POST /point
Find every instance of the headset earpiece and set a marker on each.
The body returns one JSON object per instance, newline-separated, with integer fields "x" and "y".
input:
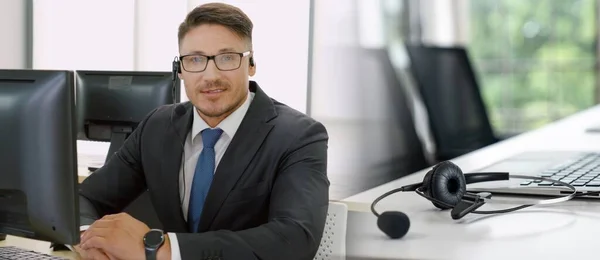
{"x": 176, "y": 67}
{"x": 251, "y": 61}
{"x": 445, "y": 182}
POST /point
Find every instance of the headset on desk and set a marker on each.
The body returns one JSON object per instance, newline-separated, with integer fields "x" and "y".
{"x": 445, "y": 186}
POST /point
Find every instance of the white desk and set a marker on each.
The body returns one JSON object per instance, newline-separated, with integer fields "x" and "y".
{"x": 86, "y": 158}
{"x": 560, "y": 231}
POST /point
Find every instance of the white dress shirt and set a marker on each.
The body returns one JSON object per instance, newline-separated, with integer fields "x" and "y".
{"x": 193, "y": 148}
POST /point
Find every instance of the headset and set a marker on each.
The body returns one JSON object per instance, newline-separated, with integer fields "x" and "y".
{"x": 445, "y": 186}
{"x": 175, "y": 70}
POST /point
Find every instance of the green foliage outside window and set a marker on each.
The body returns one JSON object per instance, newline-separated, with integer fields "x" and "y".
{"x": 535, "y": 59}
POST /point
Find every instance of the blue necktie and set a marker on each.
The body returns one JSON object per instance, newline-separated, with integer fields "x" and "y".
{"x": 203, "y": 176}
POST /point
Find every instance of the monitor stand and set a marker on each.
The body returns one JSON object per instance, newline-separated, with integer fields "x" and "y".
{"x": 117, "y": 139}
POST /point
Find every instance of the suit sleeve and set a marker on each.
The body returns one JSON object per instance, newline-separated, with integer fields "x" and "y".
{"x": 116, "y": 184}
{"x": 297, "y": 215}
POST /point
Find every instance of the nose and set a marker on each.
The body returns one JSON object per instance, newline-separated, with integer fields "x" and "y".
{"x": 211, "y": 71}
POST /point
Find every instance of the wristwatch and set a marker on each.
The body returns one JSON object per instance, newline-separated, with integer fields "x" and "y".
{"x": 153, "y": 240}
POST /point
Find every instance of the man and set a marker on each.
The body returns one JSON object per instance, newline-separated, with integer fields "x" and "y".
{"x": 232, "y": 172}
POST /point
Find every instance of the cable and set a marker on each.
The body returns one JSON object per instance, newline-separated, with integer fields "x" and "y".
{"x": 382, "y": 197}
{"x": 179, "y": 140}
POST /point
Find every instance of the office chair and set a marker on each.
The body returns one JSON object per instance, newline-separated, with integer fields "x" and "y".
{"x": 449, "y": 89}
{"x": 407, "y": 153}
{"x": 333, "y": 242}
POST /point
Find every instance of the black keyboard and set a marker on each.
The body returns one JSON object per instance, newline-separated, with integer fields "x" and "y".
{"x": 15, "y": 253}
{"x": 580, "y": 172}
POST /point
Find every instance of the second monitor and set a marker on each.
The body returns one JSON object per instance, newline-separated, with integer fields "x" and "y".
{"x": 110, "y": 104}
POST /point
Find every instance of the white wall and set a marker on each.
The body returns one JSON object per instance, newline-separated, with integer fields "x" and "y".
{"x": 335, "y": 28}
{"x": 155, "y": 39}
{"x": 83, "y": 35}
{"x": 340, "y": 27}
{"x": 156, "y": 23}
{"x": 13, "y": 45}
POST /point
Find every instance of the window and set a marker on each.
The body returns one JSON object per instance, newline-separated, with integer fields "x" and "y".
{"x": 535, "y": 60}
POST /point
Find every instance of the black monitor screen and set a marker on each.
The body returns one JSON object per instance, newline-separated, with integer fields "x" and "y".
{"x": 38, "y": 166}
{"x": 111, "y": 104}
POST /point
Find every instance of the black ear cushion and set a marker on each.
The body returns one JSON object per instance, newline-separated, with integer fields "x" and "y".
{"x": 446, "y": 183}
{"x": 427, "y": 186}
{"x": 427, "y": 181}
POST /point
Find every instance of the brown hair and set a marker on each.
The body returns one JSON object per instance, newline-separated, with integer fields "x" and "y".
{"x": 218, "y": 13}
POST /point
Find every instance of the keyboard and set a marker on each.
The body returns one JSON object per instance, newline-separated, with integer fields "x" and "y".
{"x": 580, "y": 172}
{"x": 15, "y": 253}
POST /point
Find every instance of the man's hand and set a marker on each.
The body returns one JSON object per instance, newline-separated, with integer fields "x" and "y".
{"x": 92, "y": 254}
{"x": 119, "y": 236}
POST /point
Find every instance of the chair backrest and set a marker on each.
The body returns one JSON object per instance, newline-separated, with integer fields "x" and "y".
{"x": 406, "y": 149}
{"x": 333, "y": 242}
{"x": 449, "y": 89}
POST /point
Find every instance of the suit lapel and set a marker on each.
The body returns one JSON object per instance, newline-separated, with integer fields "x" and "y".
{"x": 250, "y": 135}
{"x": 173, "y": 151}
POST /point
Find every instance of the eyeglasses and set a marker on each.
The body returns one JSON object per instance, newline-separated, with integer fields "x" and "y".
{"x": 224, "y": 61}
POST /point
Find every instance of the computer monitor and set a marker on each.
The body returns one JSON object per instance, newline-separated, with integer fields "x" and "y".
{"x": 38, "y": 156}
{"x": 110, "y": 104}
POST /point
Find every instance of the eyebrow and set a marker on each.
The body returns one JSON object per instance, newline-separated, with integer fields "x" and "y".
{"x": 220, "y": 51}
{"x": 226, "y": 50}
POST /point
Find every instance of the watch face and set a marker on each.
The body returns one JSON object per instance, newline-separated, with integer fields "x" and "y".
{"x": 154, "y": 238}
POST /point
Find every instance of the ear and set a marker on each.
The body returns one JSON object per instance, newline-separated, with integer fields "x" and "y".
{"x": 252, "y": 70}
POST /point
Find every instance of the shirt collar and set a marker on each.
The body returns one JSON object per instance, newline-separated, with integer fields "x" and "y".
{"x": 229, "y": 125}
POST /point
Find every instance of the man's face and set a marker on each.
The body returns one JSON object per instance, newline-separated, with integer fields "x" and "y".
{"x": 215, "y": 93}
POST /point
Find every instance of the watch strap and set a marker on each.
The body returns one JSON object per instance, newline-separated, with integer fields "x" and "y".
{"x": 151, "y": 250}
{"x": 151, "y": 253}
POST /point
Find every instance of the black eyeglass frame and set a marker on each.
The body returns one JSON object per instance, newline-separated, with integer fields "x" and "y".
{"x": 212, "y": 57}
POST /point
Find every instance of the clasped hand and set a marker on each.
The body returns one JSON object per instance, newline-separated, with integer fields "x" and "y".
{"x": 117, "y": 236}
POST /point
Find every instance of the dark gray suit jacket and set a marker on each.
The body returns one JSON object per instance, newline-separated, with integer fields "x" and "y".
{"x": 269, "y": 196}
